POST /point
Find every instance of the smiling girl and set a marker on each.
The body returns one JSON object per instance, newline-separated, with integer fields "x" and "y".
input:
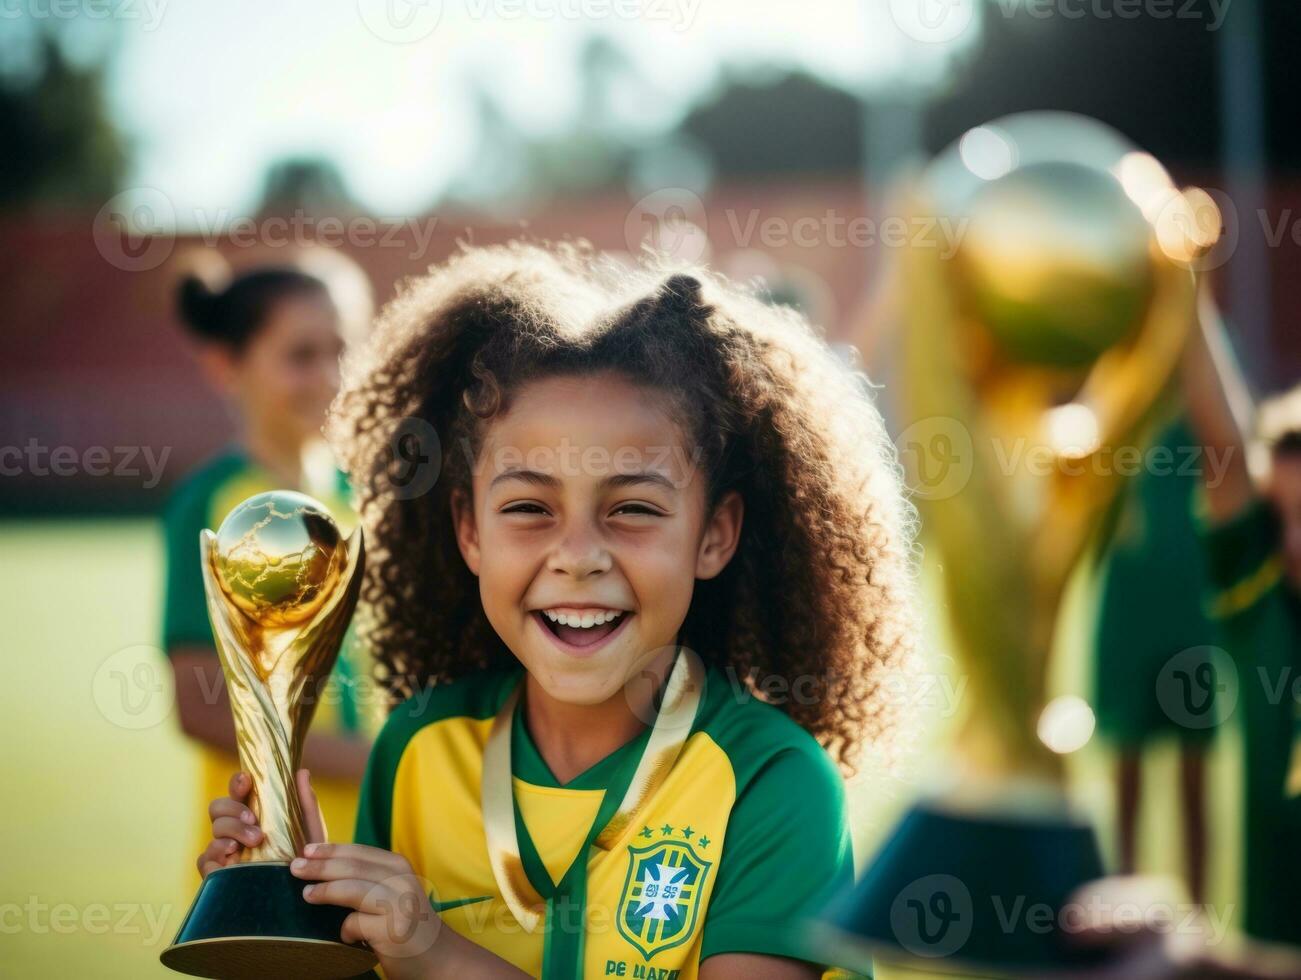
{"x": 658, "y": 505}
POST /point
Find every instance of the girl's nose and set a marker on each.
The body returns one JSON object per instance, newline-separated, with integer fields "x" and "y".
{"x": 580, "y": 554}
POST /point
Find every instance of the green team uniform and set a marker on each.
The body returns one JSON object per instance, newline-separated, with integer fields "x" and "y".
{"x": 1151, "y": 604}
{"x": 202, "y": 500}
{"x": 1260, "y": 617}
{"x": 745, "y": 834}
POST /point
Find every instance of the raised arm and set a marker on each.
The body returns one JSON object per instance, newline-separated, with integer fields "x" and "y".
{"x": 1219, "y": 410}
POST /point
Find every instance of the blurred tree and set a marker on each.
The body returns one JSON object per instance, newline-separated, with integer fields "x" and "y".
{"x": 594, "y": 150}
{"x": 305, "y": 185}
{"x": 778, "y": 124}
{"x": 57, "y": 143}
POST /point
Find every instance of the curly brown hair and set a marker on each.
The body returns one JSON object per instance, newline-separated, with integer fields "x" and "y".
{"x": 820, "y": 586}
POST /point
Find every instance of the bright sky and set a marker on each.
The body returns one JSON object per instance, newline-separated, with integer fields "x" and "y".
{"x": 212, "y": 92}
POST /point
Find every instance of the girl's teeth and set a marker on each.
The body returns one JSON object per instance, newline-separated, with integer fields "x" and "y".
{"x": 586, "y": 621}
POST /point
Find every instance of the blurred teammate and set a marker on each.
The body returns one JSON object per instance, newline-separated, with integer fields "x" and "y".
{"x": 269, "y": 343}
{"x": 1150, "y": 612}
{"x": 1253, "y": 546}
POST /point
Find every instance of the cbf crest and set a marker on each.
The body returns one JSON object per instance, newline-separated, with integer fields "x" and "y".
{"x": 661, "y": 895}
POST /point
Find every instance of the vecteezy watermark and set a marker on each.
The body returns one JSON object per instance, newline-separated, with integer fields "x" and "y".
{"x": 1124, "y": 460}
{"x": 935, "y": 691}
{"x": 832, "y": 230}
{"x": 938, "y": 454}
{"x": 136, "y": 230}
{"x": 149, "y": 12}
{"x": 300, "y": 229}
{"x": 934, "y": 916}
{"x": 132, "y": 687}
{"x": 1197, "y": 688}
{"x": 39, "y": 917}
{"x": 673, "y": 220}
{"x": 945, "y": 21}
{"x": 408, "y": 21}
{"x": 933, "y": 21}
{"x": 400, "y": 21}
{"x": 672, "y": 464}
{"x": 37, "y": 459}
{"x": 1210, "y": 12}
{"x": 415, "y": 460}
{"x": 133, "y": 230}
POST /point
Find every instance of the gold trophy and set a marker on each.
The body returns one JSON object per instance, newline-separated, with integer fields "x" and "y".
{"x": 1047, "y": 339}
{"x": 281, "y": 585}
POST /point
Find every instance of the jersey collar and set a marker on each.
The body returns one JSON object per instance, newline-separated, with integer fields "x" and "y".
{"x": 659, "y": 748}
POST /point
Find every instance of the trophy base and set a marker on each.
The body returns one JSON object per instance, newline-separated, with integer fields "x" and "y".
{"x": 250, "y": 920}
{"x": 955, "y": 891}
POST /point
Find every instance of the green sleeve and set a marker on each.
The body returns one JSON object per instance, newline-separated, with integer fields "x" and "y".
{"x": 374, "y": 825}
{"x": 1244, "y": 561}
{"x": 185, "y": 611}
{"x": 787, "y": 851}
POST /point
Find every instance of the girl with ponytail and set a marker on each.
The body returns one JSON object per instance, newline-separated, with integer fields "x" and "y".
{"x": 639, "y": 605}
{"x": 269, "y": 342}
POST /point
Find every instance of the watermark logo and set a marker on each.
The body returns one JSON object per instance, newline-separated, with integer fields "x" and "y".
{"x": 133, "y": 230}
{"x": 1197, "y": 688}
{"x": 671, "y": 220}
{"x": 932, "y": 917}
{"x": 417, "y": 458}
{"x": 933, "y": 21}
{"x": 400, "y": 21}
{"x": 132, "y": 688}
{"x": 937, "y": 455}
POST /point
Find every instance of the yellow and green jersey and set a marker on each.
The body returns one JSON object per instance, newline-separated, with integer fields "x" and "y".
{"x": 1260, "y": 617}
{"x": 202, "y": 500}
{"x": 743, "y": 838}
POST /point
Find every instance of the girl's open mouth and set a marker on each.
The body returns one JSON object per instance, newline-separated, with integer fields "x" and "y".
{"x": 578, "y": 639}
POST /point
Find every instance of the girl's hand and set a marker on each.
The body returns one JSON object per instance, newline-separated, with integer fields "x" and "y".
{"x": 393, "y": 911}
{"x": 234, "y": 825}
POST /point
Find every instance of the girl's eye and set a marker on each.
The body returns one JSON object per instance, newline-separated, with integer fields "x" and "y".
{"x": 524, "y": 508}
{"x": 638, "y": 509}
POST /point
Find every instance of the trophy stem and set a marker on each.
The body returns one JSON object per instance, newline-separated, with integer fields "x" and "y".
{"x": 271, "y": 760}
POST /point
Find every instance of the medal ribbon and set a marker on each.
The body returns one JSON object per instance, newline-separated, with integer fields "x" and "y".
{"x": 522, "y": 878}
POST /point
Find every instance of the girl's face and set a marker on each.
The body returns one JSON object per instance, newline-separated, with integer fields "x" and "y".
{"x": 588, "y": 530}
{"x": 287, "y": 374}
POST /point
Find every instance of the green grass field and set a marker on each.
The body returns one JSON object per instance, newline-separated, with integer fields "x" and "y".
{"x": 97, "y": 872}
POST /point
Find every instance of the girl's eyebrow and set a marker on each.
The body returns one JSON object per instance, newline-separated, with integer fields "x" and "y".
{"x": 615, "y": 480}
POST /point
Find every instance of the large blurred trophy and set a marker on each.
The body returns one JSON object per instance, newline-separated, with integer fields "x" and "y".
{"x": 1046, "y": 340}
{"x": 281, "y": 585}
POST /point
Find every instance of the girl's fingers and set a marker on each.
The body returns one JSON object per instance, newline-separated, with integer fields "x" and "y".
{"x": 240, "y": 786}
{"x": 312, "y": 816}
{"x": 216, "y": 855}
{"x": 354, "y": 930}
{"x": 236, "y": 829}
{"x": 369, "y": 862}
{"x": 224, "y": 806}
{"x": 353, "y": 893}
{"x": 339, "y": 868}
